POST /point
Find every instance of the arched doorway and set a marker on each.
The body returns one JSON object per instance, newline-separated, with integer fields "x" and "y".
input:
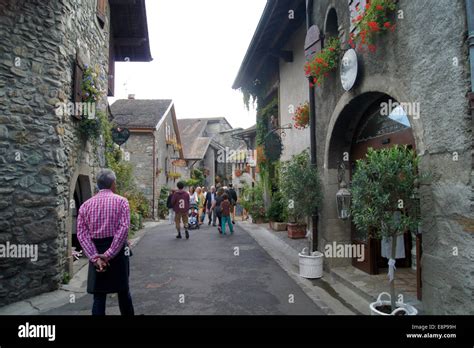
{"x": 82, "y": 192}
{"x": 383, "y": 124}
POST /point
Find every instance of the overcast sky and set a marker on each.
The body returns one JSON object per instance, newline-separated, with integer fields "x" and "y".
{"x": 197, "y": 48}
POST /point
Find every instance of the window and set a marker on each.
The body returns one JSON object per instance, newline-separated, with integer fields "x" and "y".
{"x": 332, "y": 26}
{"x": 101, "y": 12}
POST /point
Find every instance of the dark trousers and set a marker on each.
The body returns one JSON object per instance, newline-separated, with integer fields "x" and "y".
{"x": 124, "y": 299}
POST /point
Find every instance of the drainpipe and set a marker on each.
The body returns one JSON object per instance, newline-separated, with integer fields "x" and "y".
{"x": 312, "y": 118}
{"x": 470, "y": 40}
{"x": 154, "y": 175}
{"x": 470, "y": 28}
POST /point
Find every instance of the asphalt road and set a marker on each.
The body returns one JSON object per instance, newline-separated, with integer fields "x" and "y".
{"x": 209, "y": 274}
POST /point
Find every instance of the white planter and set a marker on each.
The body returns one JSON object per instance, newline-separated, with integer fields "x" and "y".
{"x": 401, "y": 307}
{"x": 311, "y": 266}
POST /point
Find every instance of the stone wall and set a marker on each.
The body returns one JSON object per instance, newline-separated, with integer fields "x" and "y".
{"x": 293, "y": 91}
{"x": 140, "y": 149}
{"x": 42, "y": 154}
{"x": 424, "y": 60}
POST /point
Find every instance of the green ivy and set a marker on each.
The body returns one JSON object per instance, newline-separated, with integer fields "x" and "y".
{"x": 126, "y": 187}
{"x": 197, "y": 179}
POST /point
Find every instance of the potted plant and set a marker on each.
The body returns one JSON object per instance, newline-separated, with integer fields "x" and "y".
{"x": 384, "y": 206}
{"x": 302, "y": 190}
{"x": 277, "y": 213}
{"x": 252, "y": 201}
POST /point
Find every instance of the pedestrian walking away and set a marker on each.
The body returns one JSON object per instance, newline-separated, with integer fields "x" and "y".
{"x": 233, "y": 201}
{"x": 180, "y": 203}
{"x": 216, "y": 206}
{"x": 170, "y": 207}
{"x": 208, "y": 203}
{"x": 102, "y": 230}
{"x": 225, "y": 211}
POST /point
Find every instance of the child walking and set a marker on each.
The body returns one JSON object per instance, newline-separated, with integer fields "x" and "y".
{"x": 225, "y": 208}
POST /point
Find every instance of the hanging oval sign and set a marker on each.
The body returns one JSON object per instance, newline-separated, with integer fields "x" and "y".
{"x": 349, "y": 69}
{"x": 120, "y": 135}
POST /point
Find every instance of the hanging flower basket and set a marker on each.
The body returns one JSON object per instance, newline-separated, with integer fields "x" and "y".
{"x": 89, "y": 86}
{"x": 174, "y": 175}
{"x": 324, "y": 62}
{"x": 372, "y": 20}
{"x": 301, "y": 117}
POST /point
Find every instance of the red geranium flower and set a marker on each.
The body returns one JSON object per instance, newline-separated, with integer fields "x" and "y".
{"x": 374, "y": 26}
{"x": 387, "y": 25}
{"x": 379, "y": 7}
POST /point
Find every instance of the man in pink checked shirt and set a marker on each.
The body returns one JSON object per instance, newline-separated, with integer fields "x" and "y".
{"x": 102, "y": 230}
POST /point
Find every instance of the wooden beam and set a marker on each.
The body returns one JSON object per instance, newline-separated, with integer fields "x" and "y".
{"x": 129, "y": 41}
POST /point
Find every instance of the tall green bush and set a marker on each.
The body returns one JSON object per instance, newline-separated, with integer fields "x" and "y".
{"x": 384, "y": 203}
{"x": 300, "y": 186}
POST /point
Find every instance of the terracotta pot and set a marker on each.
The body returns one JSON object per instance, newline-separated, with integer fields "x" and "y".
{"x": 296, "y": 231}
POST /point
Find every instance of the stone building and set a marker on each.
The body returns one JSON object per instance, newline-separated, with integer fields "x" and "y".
{"x": 205, "y": 142}
{"x": 424, "y": 64}
{"x": 47, "y": 167}
{"x": 154, "y": 144}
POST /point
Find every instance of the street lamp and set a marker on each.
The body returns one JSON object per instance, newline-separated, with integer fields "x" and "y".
{"x": 343, "y": 196}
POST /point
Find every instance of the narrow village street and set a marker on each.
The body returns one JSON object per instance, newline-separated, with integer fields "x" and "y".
{"x": 203, "y": 276}
{"x": 335, "y": 137}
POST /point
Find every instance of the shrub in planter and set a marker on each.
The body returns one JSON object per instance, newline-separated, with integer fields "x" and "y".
{"x": 384, "y": 204}
{"x": 252, "y": 201}
{"x": 163, "y": 210}
{"x": 301, "y": 190}
{"x": 277, "y": 212}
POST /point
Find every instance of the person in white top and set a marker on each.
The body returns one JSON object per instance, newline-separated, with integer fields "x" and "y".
{"x": 193, "y": 198}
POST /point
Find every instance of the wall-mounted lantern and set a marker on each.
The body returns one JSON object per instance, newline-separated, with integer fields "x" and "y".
{"x": 343, "y": 196}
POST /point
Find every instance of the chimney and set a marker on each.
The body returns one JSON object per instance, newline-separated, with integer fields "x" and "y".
{"x": 131, "y": 96}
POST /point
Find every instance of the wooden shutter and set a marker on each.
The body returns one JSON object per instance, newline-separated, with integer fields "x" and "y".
{"x": 111, "y": 83}
{"x": 77, "y": 90}
{"x": 353, "y": 6}
{"x": 101, "y": 11}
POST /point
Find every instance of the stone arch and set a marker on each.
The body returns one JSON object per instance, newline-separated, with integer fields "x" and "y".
{"x": 348, "y": 111}
{"x": 342, "y": 126}
{"x": 331, "y": 23}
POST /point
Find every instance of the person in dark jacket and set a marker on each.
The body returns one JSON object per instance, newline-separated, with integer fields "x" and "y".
{"x": 216, "y": 206}
{"x": 210, "y": 198}
{"x": 180, "y": 203}
{"x": 233, "y": 201}
{"x": 170, "y": 207}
